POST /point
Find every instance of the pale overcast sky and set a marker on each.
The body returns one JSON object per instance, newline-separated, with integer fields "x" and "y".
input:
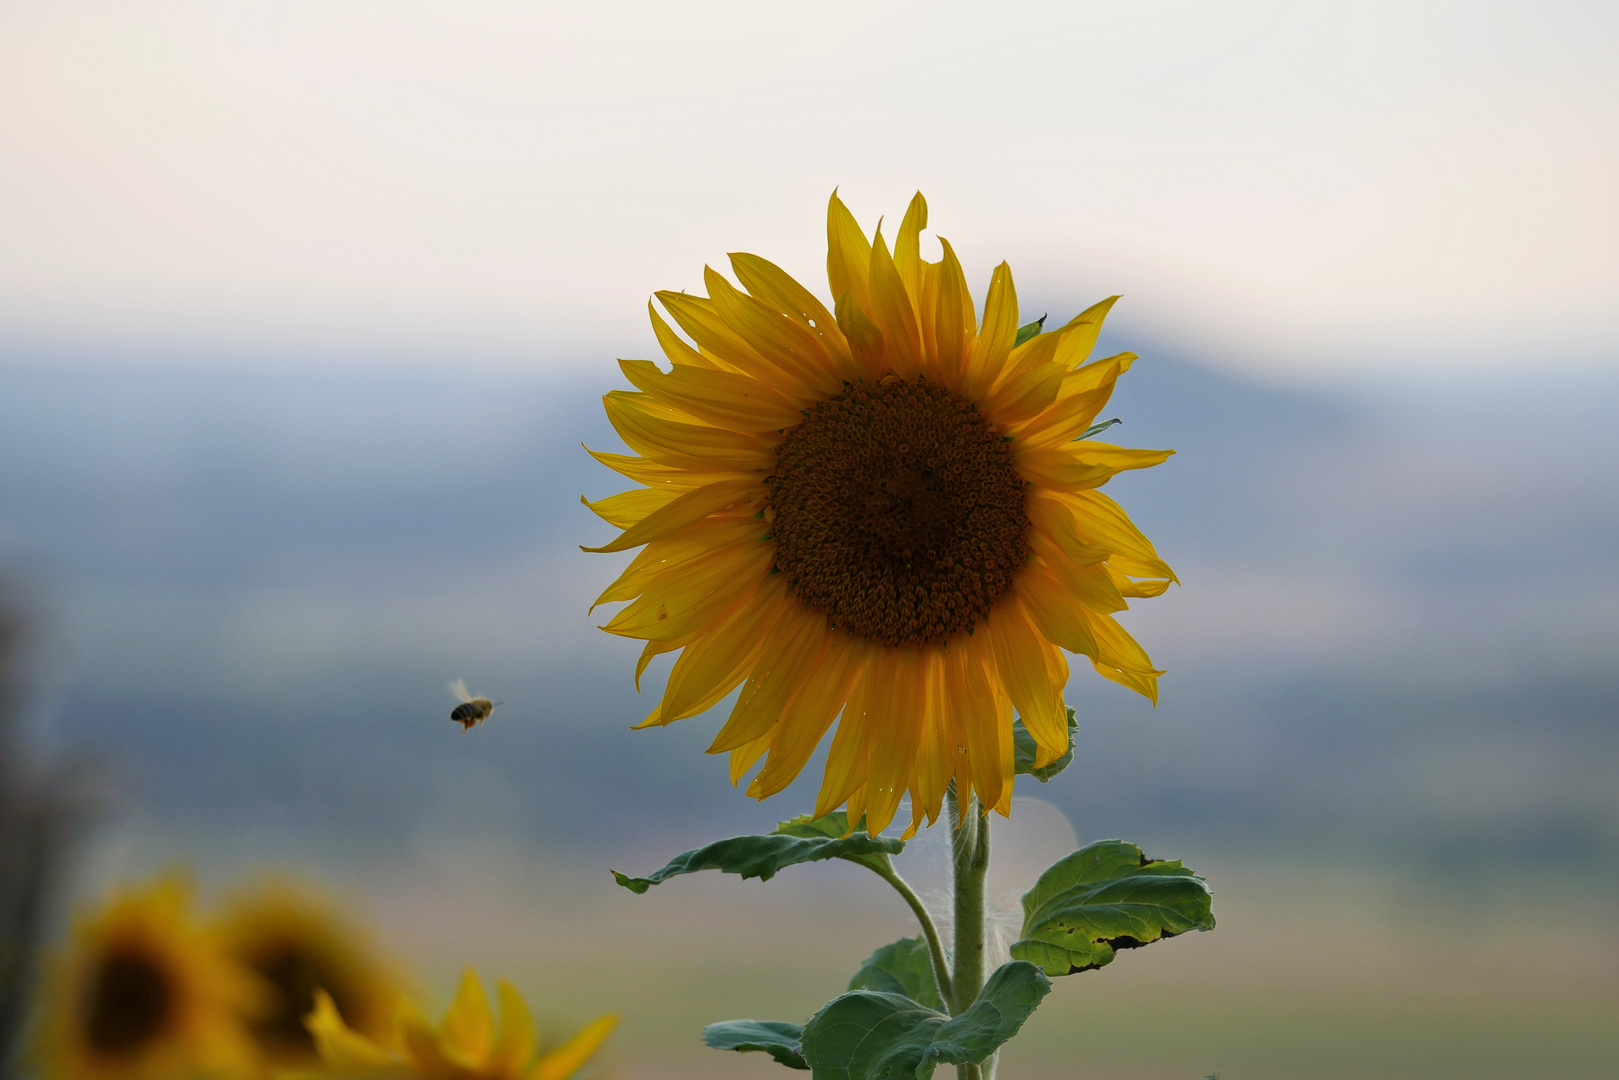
{"x": 1300, "y": 187}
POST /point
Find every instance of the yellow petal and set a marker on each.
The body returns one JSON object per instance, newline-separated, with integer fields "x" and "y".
{"x": 846, "y": 762}
{"x": 653, "y": 474}
{"x": 787, "y": 661}
{"x": 1022, "y": 668}
{"x": 1080, "y": 398}
{"x": 628, "y": 507}
{"x": 1102, "y": 521}
{"x": 848, "y": 254}
{"x": 567, "y": 1059}
{"x": 773, "y": 285}
{"x": 907, "y": 246}
{"x": 936, "y": 759}
{"x": 955, "y": 328}
{"x": 725, "y": 399}
{"x": 469, "y": 1026}
{"x": 865, "y": 340}
{"x": 1115, "y": 647}
{"x": 745, "y": 756}
{"x": 895, "y": 736}
{"x": 668, "y": 555}
{"x": 675, "y": 349}
{"x": 788, "y": 347}
{"x": 1091, "y": 586}
{"x": 1056, "y": 468}
{"x": 1028, "y": 392}
{"x": 1143, "y": 683}
{"x": 1079, "y": 336}
{"x": 809, "y": 715}
{"x": 688, "y": 508}
{"x": 517, "y": 1040}
{"x": 1057, "y": 618}
{"x": 996, "y": 336}
{"x": 654, "y": 430}
{"x": 894, "y": 313}
{"x": 1117, "y": 458}
{"x": 716, "y": 662}
{"x": 1144, "y": 588}
{"x": 675, "y": 605}
{"x": 704, "y": 322}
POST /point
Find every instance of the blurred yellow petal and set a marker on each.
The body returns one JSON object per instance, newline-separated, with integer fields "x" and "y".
{"x": 469, "y": 1026}
{"x": 571, "y": 1056}
{"x": 343, "y": 1050}
{"x": 517, "y": 1040}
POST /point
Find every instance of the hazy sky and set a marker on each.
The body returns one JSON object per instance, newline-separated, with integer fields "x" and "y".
{"x": 1302, "y": 187}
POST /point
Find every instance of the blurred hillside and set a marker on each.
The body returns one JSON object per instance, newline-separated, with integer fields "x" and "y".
{"x": 1395, "y": 636}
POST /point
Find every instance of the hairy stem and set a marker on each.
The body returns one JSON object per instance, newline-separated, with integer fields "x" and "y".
{"x": 969, "y": 849}
{"x": 941, "y": 969}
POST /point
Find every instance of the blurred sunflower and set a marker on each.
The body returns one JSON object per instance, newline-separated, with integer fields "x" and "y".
{"x": 143, "y": 995}
{"x": 466, "y": 1046}
{"x": 297, "y": 946}
{"x": 890, "y": 513}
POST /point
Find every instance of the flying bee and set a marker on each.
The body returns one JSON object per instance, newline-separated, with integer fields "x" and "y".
{"x": 473, "y": 710}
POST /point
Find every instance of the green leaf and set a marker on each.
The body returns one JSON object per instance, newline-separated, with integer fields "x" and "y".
{"x": 835, "y": 825}
{"x": 1097, "y": 429}
{"x": 1024, "y": 750}
{"x": 798, "y": 841}
{"x": 1105, "y": 897}
{"x": 905, "y": 967}
{"x": 864, "y": 1034}
{"x": 1029, "y": 330}
{"x": 777, "y": 1038}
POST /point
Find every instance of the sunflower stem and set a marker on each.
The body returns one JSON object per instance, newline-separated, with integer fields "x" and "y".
{"x": 969, "y": 844}
{"x": 941, "y": 968}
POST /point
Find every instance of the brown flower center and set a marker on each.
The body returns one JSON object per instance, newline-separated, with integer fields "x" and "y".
{"x": 897, "y": 512}
{"x": 128, "y": 1003}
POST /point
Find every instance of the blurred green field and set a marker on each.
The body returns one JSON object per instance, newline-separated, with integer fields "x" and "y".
{"x": 1315, "y": 971}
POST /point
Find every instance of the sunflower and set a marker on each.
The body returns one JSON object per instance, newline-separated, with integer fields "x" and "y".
{"x": 889, "y": 514}
{"x": 297, "y": 946}
{"x": 466, "y": 1046}
{"x": 142, "y": 995}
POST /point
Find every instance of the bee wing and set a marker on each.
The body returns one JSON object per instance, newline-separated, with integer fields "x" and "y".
{"x": 458, "y": 687}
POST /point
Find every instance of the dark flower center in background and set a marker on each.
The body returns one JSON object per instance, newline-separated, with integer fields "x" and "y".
{"x": 897, "y": 512}
{"x": 296, "y": 973}
{"x": 128, "y": 1003}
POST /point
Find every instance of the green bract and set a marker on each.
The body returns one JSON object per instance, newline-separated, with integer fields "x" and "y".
{"x": 1105, "y": 897}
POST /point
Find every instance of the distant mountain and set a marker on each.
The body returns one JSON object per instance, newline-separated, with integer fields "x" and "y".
{"x": 1395, "y": 629}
